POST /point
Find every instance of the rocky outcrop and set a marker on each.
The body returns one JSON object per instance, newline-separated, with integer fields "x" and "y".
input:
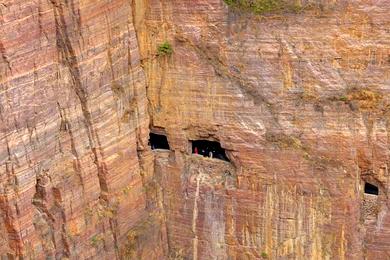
{"x": 298, "y": 99}
{"x": 300, "y": 102}
{"x": 74, "y": 122}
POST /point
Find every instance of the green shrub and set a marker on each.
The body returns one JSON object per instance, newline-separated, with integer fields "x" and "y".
{"x": 264, "y": 255}
{"x": 264, "y": 6}
{"x": 96, "y": 240}
{"x": 343, "y": 98}
{"x": 164, "y": 49}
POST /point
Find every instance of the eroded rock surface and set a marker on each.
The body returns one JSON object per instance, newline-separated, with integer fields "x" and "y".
{"x": 298, "y": 100}
{"x": 74, "y": 121}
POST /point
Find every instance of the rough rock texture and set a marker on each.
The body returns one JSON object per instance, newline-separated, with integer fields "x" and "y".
{"x": 73, "y": 124}
{"x": 299, "y": 101}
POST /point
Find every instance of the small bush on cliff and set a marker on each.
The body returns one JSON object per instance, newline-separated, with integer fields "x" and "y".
{"x": 96, "y": 240}
{"x": 164, "y": 49}
{"x": 264, "y": 6}
{"x": 343, "y": 98}
{"x": 364, "y": 99}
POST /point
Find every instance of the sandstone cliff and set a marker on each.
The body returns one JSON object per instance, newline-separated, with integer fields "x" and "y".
{"x": 299, "y": 100}
{"x": 74, "y": 121}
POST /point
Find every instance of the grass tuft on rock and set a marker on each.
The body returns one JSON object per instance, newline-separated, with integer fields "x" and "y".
{"x": 366, "y": 98}
{"x": 264, "y": 255}
{"x": 265, "y": 6}
{"x": 164, "y": 49}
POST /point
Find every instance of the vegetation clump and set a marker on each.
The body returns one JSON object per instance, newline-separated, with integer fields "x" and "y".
{"x": 366, "y": 99}
{"x": 284, "y": 141}
{"x": 265, "y": 6}
{"x": 264, "y": 255}
{"x": 96, "y": 240}
{"x": 164, "y": 49}
{"x": 343, "y": 98}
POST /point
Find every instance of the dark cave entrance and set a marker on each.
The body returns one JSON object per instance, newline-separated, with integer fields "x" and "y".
{"x": 371, "y": 189}
{"x": 158, "y": 141}
{"x": 210, "y": 149}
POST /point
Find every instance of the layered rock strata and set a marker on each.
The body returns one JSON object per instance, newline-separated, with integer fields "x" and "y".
{"x": 74, "y": 122}
{"x": 299, "y": 100}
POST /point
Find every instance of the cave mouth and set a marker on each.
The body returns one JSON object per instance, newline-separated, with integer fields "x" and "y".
{"x": 158, "y": 141}
{"x": 212, "y": 149}
{"x": 371, "y": 189}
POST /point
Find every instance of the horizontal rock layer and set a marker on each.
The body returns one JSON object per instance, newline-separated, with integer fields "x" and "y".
{"x": 73, "y": 122}
{"x": 299, "y": 100}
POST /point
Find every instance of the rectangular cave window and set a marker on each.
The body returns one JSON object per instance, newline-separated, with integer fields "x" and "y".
{"x": 210, "y": 149}
{"x": 158, "y": 141}
{"x": 371, "y": 189}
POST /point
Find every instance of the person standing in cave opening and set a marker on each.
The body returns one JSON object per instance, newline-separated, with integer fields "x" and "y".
{"x": 196, "y": 150}
{"x": 207, "y": 152}
{"x": 211, "y": 154}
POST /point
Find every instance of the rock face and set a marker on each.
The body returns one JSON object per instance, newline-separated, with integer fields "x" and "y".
{"x": 298, "y": 100}
{"x": 74, "y": 122}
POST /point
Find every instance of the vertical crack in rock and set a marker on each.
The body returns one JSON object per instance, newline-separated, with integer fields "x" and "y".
{"x": 66, "y": 126}
{"x": 13, "y": 238}
{"x": 12, "y": 233}
{"x": 42, "y": 30}
{"x": 4, "y": 58}
{"x": 69, "y": 59}
{"x": 6, "y": 211}
{"x": 7, "y": 191}
{"x": 44, "y": 220}
{"x": 134, "y": 105}
{"x": 58, "y": 202}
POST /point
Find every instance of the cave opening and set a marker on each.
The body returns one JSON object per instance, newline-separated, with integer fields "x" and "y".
{"x": 371, "y": 189}
{"x": 212, "y": 149}
{"x": 158, "y": 141}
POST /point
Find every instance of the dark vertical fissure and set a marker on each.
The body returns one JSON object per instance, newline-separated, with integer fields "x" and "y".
{"x": 68, "y": 58}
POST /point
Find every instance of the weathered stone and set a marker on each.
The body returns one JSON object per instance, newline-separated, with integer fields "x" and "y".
{"x": 299, "y": 100}
{"x": 73, "y": 116}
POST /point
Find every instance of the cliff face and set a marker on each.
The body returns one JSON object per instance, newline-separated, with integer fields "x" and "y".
{"x": 298, "y": 100}
{"x": 74, "y": 122}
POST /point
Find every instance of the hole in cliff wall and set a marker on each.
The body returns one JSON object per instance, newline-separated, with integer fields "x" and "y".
{"x": 158, "y": 141}
{"x": 371, "y": 189}
{"x": 212, "y": 149}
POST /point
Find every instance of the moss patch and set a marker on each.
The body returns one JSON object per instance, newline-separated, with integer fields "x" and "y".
{"x": 97, "y": 240}
{"x": 164, "y": 49}
{"x": 265, "y": 6}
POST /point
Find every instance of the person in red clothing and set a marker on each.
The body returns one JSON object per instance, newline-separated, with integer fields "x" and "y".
{"x": 196, "y": 150}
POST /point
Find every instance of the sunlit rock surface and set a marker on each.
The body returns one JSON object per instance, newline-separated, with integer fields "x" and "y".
{"x": 73, "y": 114}
{"x": 299, "y": 100}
